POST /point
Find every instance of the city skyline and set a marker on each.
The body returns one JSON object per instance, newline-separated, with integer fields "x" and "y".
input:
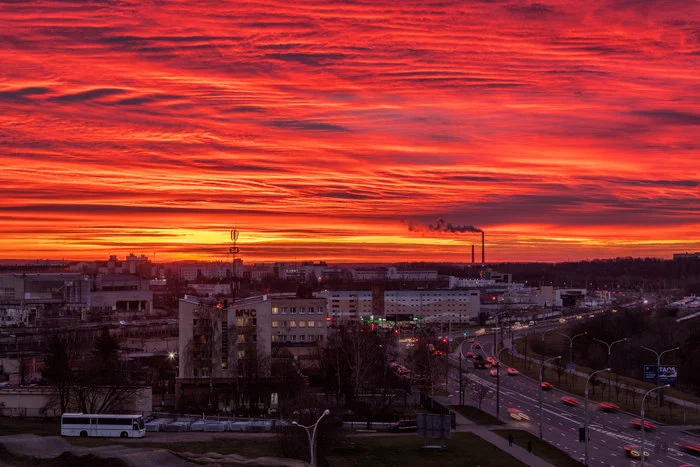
{"x": 347, "y": 132}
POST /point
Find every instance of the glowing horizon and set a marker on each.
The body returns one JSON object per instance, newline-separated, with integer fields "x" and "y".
{"x": 340, "y": 132}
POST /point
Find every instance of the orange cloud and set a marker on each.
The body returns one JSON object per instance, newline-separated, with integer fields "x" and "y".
{"x": 565, "y": 130}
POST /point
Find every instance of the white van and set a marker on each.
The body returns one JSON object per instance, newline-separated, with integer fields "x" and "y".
{"x": 532, "y": 323}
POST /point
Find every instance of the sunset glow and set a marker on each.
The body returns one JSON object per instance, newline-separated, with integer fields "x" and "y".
{"x": 341, "y": 131}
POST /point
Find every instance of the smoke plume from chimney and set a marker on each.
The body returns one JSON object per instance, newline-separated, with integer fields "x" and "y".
{"x": 441, "y": 226}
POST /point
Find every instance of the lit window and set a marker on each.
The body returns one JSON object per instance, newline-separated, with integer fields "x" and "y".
{"x": 312, "y": 324}
{"x": 292, "y": 324}
{"x": 241, "y": 338}
{"x": 275, "y": 324}
{"x": 302, "y": 324}
{"x": 275, "y": 310}
{"x": 241, "y": 354}
{"x": 275, "y": 338}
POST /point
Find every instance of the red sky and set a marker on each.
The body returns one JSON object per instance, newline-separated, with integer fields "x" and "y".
{"x": 324, "y": 130}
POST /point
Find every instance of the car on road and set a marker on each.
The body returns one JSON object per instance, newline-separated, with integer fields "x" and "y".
{"x": 512, "y": 372}
{"x": 531, "y": 324}
{"x": 404, "y": 426}
{"x": 609, "y": 407}
{"x": 633, "y": 451}
{"x": 547, "y": 386}
{"x": 562, "y": 320}
{"x": 493, "y": 372}
{"x": 477, "y": 345}
{"x": 480, "y": 363}
{"x": 570, "y": 401}
{"x": 693, "y": 449}
{"x": 481, "y": 332}
{"x": 517, "y": 414}
{"x": 469, "y": 355}
{"x": 637, "y": 423}
{"x": 471, "y": 340}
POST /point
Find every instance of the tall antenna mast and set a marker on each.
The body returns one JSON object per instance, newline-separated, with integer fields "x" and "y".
{"x": 233, "y": 250}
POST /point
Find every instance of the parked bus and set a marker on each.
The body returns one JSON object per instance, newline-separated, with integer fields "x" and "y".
{"x": 124, "y": 426}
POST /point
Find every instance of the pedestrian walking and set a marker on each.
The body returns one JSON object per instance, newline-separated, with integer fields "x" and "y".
{"x": 529, "y": 446}
{"x": 510, "y": 440}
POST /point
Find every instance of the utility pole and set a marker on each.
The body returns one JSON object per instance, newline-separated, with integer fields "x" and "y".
{"x": 233, "y": 251}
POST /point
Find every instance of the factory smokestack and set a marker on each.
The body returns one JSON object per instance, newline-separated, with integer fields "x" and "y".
{"x": 472, "y": 253}
{"x": 483, "y": 252}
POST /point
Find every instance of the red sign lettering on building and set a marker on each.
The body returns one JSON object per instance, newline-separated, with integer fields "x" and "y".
{"x": 246, "y": 313}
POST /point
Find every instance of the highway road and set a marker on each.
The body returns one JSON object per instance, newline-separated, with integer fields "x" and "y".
{"x": 609, "y": 432}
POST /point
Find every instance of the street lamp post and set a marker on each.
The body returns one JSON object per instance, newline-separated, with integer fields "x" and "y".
{"x": 571, "y": 344}
{"x": 658, "y": 364}
{"x": 585, "y": 415}
{"x": 498, "y": 381}
{"x": 311, "y": 435}
{"x": 541, "y": 370}
{"x": 610, "y": 346}
{"x": 641, "y": 427}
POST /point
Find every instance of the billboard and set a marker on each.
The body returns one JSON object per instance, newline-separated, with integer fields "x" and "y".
{"x": 667, "y": 374}
{"x": 434, "y": 426}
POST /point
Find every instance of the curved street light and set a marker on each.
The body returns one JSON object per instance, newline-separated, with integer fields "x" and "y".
{"x": 610, "y": 346}
{"x": 498, "y": 380}
{"x": 585, "y": 415}
{"x": 312, "y": 436}
{"x": 571, "y": 344}
{"x": 541, "y": 370}
{"x": 641, "y": 427}
{"x": 658, "y": 364}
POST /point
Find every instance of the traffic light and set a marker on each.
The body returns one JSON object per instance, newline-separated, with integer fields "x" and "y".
{"x": 464, "y": 334}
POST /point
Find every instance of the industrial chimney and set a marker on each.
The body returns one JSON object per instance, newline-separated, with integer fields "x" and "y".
{"x": 472, "y": 254}
{"x": 483, "y": 252}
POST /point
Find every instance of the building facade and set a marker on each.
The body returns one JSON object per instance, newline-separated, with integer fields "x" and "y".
{"x": 403, "y": 305}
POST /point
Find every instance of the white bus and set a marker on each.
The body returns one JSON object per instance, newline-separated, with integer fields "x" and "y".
{"x": 124, "y": 426}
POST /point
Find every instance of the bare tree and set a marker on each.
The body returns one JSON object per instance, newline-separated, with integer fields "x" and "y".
{"x": 480, "y": 392}
{"x": 58, "y": 370}
{"x": 103, "y": 383}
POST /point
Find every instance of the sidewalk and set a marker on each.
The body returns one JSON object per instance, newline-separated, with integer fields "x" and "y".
{"x": 464, "y": 424}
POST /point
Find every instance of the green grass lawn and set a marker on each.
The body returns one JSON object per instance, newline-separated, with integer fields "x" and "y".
{"x": 541, "y": 449}
{"x": 463, "y": 449}
{"x": 249, "y": 447}
{"x": 476, "y": 415}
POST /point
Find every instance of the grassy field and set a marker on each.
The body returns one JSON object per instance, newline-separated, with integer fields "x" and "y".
{"x": 463, "y": 449}
{"x": 541, "y": 449}
{"x": 669, "y": 414}
{"x": 249, "y": 447}
{"x": 475, "y": 415}
{"x": 386, "y": 450}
